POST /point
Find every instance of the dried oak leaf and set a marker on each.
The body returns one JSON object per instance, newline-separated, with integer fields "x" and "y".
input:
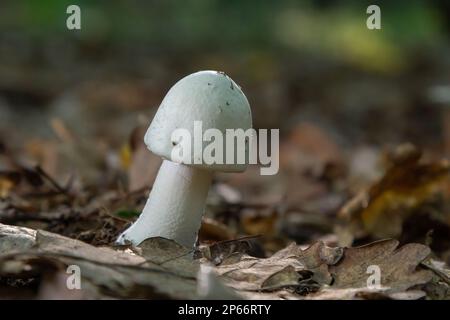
{"x": 398, "y": 270}
{"x": 397, "y": 265}
{"x": 406, "y": 186}
{"x": 290, "y": 267}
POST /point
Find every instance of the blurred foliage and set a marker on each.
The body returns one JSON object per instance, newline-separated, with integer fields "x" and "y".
{"x": 236, "y": 26}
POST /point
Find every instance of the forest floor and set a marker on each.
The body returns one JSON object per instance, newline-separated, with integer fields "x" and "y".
{"x": 356, "y": 199}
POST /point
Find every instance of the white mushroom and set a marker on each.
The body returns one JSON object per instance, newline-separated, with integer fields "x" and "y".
{"x": 176, "y": 203}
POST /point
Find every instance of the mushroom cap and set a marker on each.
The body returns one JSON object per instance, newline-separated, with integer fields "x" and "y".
{"x": 207, "y": 96}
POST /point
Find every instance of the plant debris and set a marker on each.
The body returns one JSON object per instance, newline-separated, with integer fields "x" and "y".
{"x": 161, "y": 268}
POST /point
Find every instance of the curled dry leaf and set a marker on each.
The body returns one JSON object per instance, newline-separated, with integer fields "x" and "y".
{"x": 407, "y": 185}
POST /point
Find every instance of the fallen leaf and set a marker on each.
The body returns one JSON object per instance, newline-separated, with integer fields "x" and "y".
{"x": 213, "y": 230}
{"x": 398, "y": 266}
{"x": 439, "y": 268}
{"x": 112, "y": 273}
{"x": 219, "y": 251}
{"x": 407, "y": 185}
{"x": 286, "y": 268}
{"x": 161, "y": 268}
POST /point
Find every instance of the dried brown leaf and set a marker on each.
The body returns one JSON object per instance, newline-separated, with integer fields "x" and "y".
{"x": 286, "y": 268}
{"x": 407, "y": 185}
{"x": 111, "y": 272}
{"x": 398, "y": 266}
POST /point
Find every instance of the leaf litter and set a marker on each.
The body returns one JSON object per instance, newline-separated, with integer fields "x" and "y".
{"x": 245, "y": 247}
{"x": 160, "y": 268}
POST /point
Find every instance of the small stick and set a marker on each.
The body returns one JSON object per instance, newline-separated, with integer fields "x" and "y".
{"x": 55, "y": 184}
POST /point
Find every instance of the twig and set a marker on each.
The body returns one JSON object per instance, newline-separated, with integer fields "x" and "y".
{"x": 52, "y": 181}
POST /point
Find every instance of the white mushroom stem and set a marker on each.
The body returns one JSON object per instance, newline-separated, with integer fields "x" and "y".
{"x": 175, "y": 206}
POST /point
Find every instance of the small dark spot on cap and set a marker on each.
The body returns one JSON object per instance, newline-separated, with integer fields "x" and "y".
{"x": 227, "y": 103}
{"x": 174, "y": 143}
{"x": 209, "y": 83}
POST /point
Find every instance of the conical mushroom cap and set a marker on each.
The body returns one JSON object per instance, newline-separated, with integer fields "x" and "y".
{"x": 207, "y": 96}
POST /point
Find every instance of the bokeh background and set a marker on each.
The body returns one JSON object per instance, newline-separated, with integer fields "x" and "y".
{"x": 77, "y": 102}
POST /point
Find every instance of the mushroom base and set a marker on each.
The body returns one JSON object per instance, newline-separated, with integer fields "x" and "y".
{"x": 174, "y": 208}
